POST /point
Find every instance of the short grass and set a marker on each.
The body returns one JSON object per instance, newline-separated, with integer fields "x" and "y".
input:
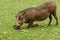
{"x": 8, "y": 10}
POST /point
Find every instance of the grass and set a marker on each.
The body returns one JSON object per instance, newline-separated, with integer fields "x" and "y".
{"x": 8, "y": 10}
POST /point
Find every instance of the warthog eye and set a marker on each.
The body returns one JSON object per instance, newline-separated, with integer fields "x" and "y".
{"x": 19, "y": 18}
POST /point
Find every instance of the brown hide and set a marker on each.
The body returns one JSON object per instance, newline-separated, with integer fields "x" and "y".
{"x": 38, "y": 13}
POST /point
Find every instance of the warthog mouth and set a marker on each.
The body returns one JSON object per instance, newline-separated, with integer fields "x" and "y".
{"x": 16, "y": 26}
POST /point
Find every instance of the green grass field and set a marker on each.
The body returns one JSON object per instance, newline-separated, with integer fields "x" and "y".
{"x": 8, "y": 10}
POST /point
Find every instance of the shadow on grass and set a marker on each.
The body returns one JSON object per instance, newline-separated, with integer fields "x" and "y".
{"x": 35, "y": 26}
{"x": 38, "y": 26}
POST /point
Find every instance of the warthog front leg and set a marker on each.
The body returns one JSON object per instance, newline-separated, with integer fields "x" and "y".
{"x": 30, "y": 25}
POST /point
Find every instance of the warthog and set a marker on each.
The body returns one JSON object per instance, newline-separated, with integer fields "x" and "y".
{"x": 38, "y": 13}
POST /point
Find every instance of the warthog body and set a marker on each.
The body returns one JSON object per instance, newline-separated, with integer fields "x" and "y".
{"x": 38, "y": 13}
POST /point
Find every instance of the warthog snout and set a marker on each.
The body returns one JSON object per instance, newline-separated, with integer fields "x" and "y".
{"x": 18, "y": 23}
{"x": 16, "y": 26}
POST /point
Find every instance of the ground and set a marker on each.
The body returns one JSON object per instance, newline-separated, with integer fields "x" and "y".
{"x": 8, "y": 10}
